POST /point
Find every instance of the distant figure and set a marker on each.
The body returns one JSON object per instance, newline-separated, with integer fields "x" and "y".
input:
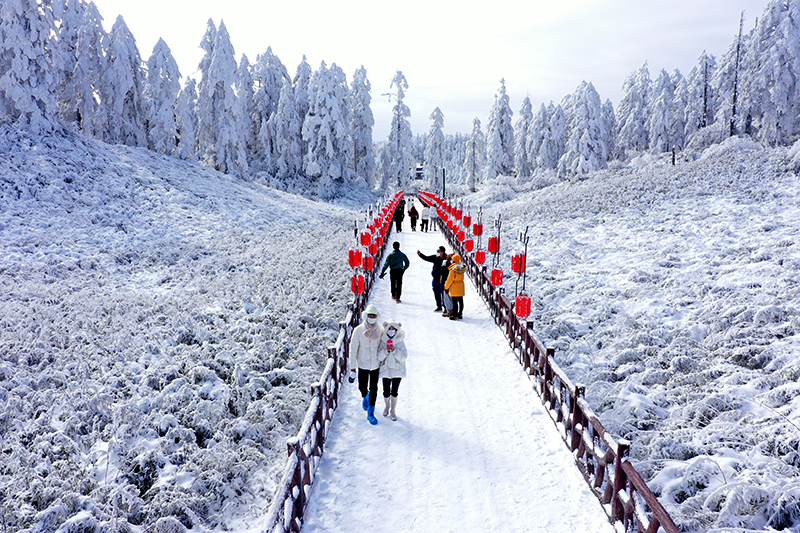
{"x": 455, "y": 287}
{"x": 399, "y": 215}
{"x": 426, "y": 216}
{"x": 413, "y": 214}
{"x": 397, "y": 263}
{"x": 392, "y": 355}
{"x": 437, "y": 283}
{"x": 364, "y": 345}
{"x": 434, "y": 217}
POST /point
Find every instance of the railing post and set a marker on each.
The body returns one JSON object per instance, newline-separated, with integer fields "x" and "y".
{"x": 620, "y": 480}
{"x": 577, "y": 418}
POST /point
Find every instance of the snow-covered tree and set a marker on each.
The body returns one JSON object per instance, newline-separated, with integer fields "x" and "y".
{"x": 81, "y": 101}
{"x": 727, "y": 82}
{"x": 660, "y": 115}
{"x": 399, "y": 142}
{"x": 540, "y": 123}
{"x": 554, "y": 140}
{"x": 700, "y": 94}
{"x": 220, "y": 136}
{"x": 302, "y": 78}
{"x": 27, "y": 82}
{"x": 678, "y": 124}
{"x": 186, "y": 121}
{"x": 245, "y": 92}
{"x": 434, "y": 151}
{"x": 287, "y": 125}
{"x": 162, "y": 88}
{"x": 361, "y": 126}
{"x": 122, "y": 89}
{"x": 632, "y": 111}
{"x": 522, "y": 159}
{"x": 500, "y": 137}
{"x": 474, "y": 163}
{"x": 586, "y": 150}
{"x": 268, "y": 77}
{"x": 65, "y": 58}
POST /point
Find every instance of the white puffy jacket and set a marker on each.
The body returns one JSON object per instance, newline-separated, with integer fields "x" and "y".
{"x": 393, "y": 364}
{"x": 363, "y": 350}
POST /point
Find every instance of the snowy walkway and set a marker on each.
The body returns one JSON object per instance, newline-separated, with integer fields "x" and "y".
{"x": 472, "y": 450}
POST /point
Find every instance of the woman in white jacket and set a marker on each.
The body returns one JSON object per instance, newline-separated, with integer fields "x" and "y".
{"x": 364, "y": 346}
{"x": 392, "y": 354}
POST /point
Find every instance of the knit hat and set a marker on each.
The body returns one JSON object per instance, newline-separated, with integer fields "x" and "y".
{"x": 456, "y": 258}
{"x": 371, "y": 309}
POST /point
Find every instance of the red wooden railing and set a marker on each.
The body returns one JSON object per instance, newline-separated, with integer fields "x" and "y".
{"x": 625, "y": 496}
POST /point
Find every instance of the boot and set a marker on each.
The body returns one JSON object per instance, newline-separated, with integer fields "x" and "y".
{"x": 392, "y": 414}
{"x": 365, "y": 402}
{"x": 446, "y": 314}
{"x": 371, "y": 415}
{"x": 388, "y": 406}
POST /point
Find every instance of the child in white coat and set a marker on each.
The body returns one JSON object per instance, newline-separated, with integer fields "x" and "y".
{"x": 364, "y": 347}
{"x": 392, "y": 355}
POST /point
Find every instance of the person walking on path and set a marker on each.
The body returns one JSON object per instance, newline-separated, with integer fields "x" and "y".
{"x": 392, "y": 355}
{"x": 364, "y": 346}
{"x": 434, "y": 217}
{"x": 438, "y": 260}
{"x": 397, "y": 263}
{"x": 455, "y": 287}
{"x": 399, "y": 215}
{"x": 426, "y": 216}
{"x": 413, "y": 214}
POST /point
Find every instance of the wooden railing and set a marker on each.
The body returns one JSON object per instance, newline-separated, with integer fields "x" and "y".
{"x": 287, "y": 510}
{"x": 625, "y": 496}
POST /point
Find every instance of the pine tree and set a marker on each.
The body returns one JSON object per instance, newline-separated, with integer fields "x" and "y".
{"x": 361, "y": 128}
{"x": 400, "y": 138}
{"x": 220, "y": 133}
{"x": 500, "y": 137}
{"x": 680, "y": 99}
{"x": 522, "y": 165}
{"x": 301, "y": 81}
{"x": 65, "y": 59}
{"x": 660, "y": 115}
{"x": 632, "y": 111}
{"x": 186, "y": 121}
{"x": 586, "y": 150}
{"x": 700, "y": 95}
{"x": 554, "y": 140}
{"x": 268, "y": 77}
{"x": 27, "y": 83}
{"x": 87, "y": 75}
{"x": 245, "y": 92}
{"x": 287, "y": 126}
{"x": 475, "y": 151}
{"x": 538, "y": 128}
{"x": 163, "y": 86}
{"x": 434, "y": 151}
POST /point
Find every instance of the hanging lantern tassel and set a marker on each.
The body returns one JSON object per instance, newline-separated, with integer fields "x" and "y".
{"x": 523, "y": 306}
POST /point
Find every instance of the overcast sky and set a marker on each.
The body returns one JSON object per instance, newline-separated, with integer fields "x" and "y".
{"x": 453, "y": 53}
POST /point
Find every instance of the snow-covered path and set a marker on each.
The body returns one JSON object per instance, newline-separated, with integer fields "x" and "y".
{"x": 472, "y": 450}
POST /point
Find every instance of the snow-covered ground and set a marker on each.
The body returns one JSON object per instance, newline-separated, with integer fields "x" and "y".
{"x": 673, "y": 293}
{"x": 159, "y": 326}
{"x": 473, "y": 448}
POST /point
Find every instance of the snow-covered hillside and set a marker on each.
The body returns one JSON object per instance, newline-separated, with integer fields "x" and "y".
{"x": 160, "y": 324}
{"x": 673, "y": 293}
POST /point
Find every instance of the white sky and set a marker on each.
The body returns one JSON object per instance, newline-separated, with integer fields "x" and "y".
{"x": 453, "y": 53}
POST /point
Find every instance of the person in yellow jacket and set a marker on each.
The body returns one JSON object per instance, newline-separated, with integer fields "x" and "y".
{"x": 455, "y": 287}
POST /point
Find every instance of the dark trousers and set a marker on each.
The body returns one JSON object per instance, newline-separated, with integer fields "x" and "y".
{"x": 423, "y": 226}
{"x": 413, "y": 223}
{"x": 437, "y": 291}
{"x": 369, "y": 378}
{"x": 390, "y": 387}
{"x": 396, "y": 277}
{"x": 458, "y": 306}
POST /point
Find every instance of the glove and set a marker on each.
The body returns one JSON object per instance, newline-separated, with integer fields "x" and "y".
{"x": 352, "y": 377}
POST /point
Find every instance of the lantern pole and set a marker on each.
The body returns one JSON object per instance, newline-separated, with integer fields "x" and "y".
{"x": 523, "y": 238}
{"x": 480, "y": 221}
{"x": 497, "y": 224}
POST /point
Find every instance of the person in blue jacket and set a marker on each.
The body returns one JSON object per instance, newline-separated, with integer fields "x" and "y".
{"x": 397, "y": 263}
{"x": 437, "y": 283}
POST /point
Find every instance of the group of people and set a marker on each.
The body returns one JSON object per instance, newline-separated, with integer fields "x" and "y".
{"x": 378, "y": 352}
{"x": 448, "y": 282}
{"x": 429, "y": 216}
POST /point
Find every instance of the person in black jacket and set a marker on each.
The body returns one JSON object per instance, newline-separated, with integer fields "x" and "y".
{"x": 437, "y": 272}
{"x": 397, "y": 263}
{"x": 399, "y": 215}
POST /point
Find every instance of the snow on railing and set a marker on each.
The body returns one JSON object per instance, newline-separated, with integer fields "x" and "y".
{"x": 625, "y": 496}
{"x": 287, "y": 510}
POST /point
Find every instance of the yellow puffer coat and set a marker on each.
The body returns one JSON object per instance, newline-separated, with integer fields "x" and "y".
{"x": 455, "y": 280}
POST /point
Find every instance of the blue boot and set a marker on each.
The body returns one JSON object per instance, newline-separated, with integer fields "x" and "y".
{"x": 365, "y": 402}
{"x": 371, "y": 415}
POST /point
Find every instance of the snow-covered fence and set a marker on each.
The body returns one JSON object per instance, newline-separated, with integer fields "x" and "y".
{"x": 603, "y": 461}
{"x": 288, "y": 505}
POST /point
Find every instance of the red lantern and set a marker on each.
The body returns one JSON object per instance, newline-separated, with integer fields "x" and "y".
{"x": 494, "y": 244}
{"x": 373, "y": 248}
{"x": 355, "y": 258}
{"x": 450, "y": 224}
{"x": 497, "y": 277}
{"x": 518, "y": 263}
{"x": 368, "y": 262}
{"x": 469, "y": 245}
{"x": 461, "y": 236}
{"x": 380, "y": 241}
{"x": 357, "y": 284}
{"x": 366, "y": 238}
{"x": 480, "y": 257}
{"x": 458, "y": 214}
{"x": 477, "y": 230}
{"x": 523, "y": 306}
{"x": 467, "y": 221}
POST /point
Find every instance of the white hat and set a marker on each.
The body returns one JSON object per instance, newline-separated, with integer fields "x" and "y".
{"x": 371, "y": 309}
